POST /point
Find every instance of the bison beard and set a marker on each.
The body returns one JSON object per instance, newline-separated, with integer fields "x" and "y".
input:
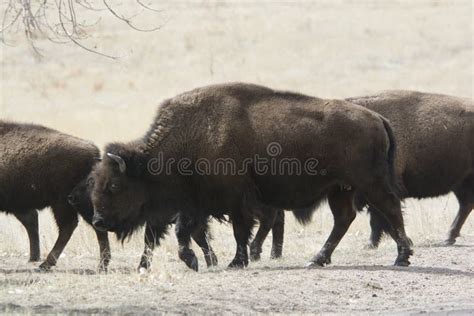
{"x": 238, "y": 121}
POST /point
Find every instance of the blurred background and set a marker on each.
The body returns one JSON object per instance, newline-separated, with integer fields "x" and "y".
{"x": 330, "y": 49}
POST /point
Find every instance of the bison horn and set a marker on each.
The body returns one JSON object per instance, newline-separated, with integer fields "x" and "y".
{"x": 119, "y": 160}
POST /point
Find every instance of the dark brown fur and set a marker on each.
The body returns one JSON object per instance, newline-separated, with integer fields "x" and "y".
{"x": 435, "y": 153}
{"x": 81, "y": 200}
{"x": 353, "y": 146}
{"x": 38, "y": 168}
{"x": 435, "y": 156}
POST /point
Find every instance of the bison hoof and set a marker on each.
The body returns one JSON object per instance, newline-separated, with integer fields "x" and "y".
{"x": 103, "y": 266}
{"x": 45, "y": 266}
{"x": 34, "y": 259}
{"x": 371, "y": 245}
{"x": 188, "y": 256}
{"x": 402, "y": 263}
{"x": 142, "y": 271}
{"x": 255, "y": 252}
{"x": 193, "y": 264}
{"x": 448, "y": 242}
{"x": 144, "y": 264}
{"x": 211, "y": 260}
{"x": 403, "y": 256}
{"x": 238, "y": 263}
{"x": 254, "y": 255}
{"x": 311, "y": 264}
{"x": 275, "y": 254}
{"x": 318, "y": 261}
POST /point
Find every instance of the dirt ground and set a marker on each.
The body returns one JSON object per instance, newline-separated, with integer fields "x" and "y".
{"x": 440, "y": 279}
{"x": 331, "y": 49}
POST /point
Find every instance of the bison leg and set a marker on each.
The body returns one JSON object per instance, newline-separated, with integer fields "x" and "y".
{"x": 66, "y": 219}
{"x": 278, "y": 232}
{"x": 152, "y": 239}
{"x": 389, "y": 206}
{"x": 153, "y": 234}
{"x": 200, "y": 236}
{"x": 150, "y": 242}
{"x": 104, "y": 248}
{"x": 267, "y": 221}
{"x": 242, "y": 226}
{"x": 341, "y": 204}
{"x": 29, "y": 219}
{"x": 184, "y": 228}
{"x": 465, "y": 195}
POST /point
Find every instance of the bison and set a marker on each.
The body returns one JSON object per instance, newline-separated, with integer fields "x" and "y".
{"x": 38, "y": 168}
{"x": 80, "y": 199}
{"x": 435, "y": 155}
{"x": 340, "y": 147}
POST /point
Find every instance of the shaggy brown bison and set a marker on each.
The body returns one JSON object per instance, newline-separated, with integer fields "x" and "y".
{"x": 38, "y": 168}
{"x": 220, "y": 150}
{"x": 154, "y": 232}
{"x": 435, "y": 155}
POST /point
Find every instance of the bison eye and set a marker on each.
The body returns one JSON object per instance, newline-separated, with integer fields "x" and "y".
{"x": 114, "y": 188}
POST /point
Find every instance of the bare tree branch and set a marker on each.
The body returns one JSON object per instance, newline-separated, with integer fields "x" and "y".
{"x": 71, "y": 37}
{"x": 33, "y": 17}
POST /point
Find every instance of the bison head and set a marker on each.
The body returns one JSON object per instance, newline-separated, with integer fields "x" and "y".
{"x": 120, "y": 192}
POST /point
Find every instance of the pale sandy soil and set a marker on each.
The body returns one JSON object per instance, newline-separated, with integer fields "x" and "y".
{"x": 325, "y": 48}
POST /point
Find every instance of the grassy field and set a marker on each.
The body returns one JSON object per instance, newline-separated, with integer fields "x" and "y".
{"x": 330, "y": 49}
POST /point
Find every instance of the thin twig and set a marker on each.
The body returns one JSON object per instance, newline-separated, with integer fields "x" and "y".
{"x": 129, "y": 23}
{"x": 6, "y": 27}
{"x": 76, "y": 42}
{"x": 147, "y": 7}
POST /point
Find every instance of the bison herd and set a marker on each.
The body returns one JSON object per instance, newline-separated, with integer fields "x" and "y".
{"x": 245, "y": 153}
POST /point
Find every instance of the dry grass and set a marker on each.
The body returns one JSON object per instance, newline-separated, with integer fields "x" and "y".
{"x": 324, "y": 48}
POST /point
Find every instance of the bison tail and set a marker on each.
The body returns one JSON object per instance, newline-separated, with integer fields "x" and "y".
{"x": 393, "y": 182}
{"x": 303, "y": 215}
